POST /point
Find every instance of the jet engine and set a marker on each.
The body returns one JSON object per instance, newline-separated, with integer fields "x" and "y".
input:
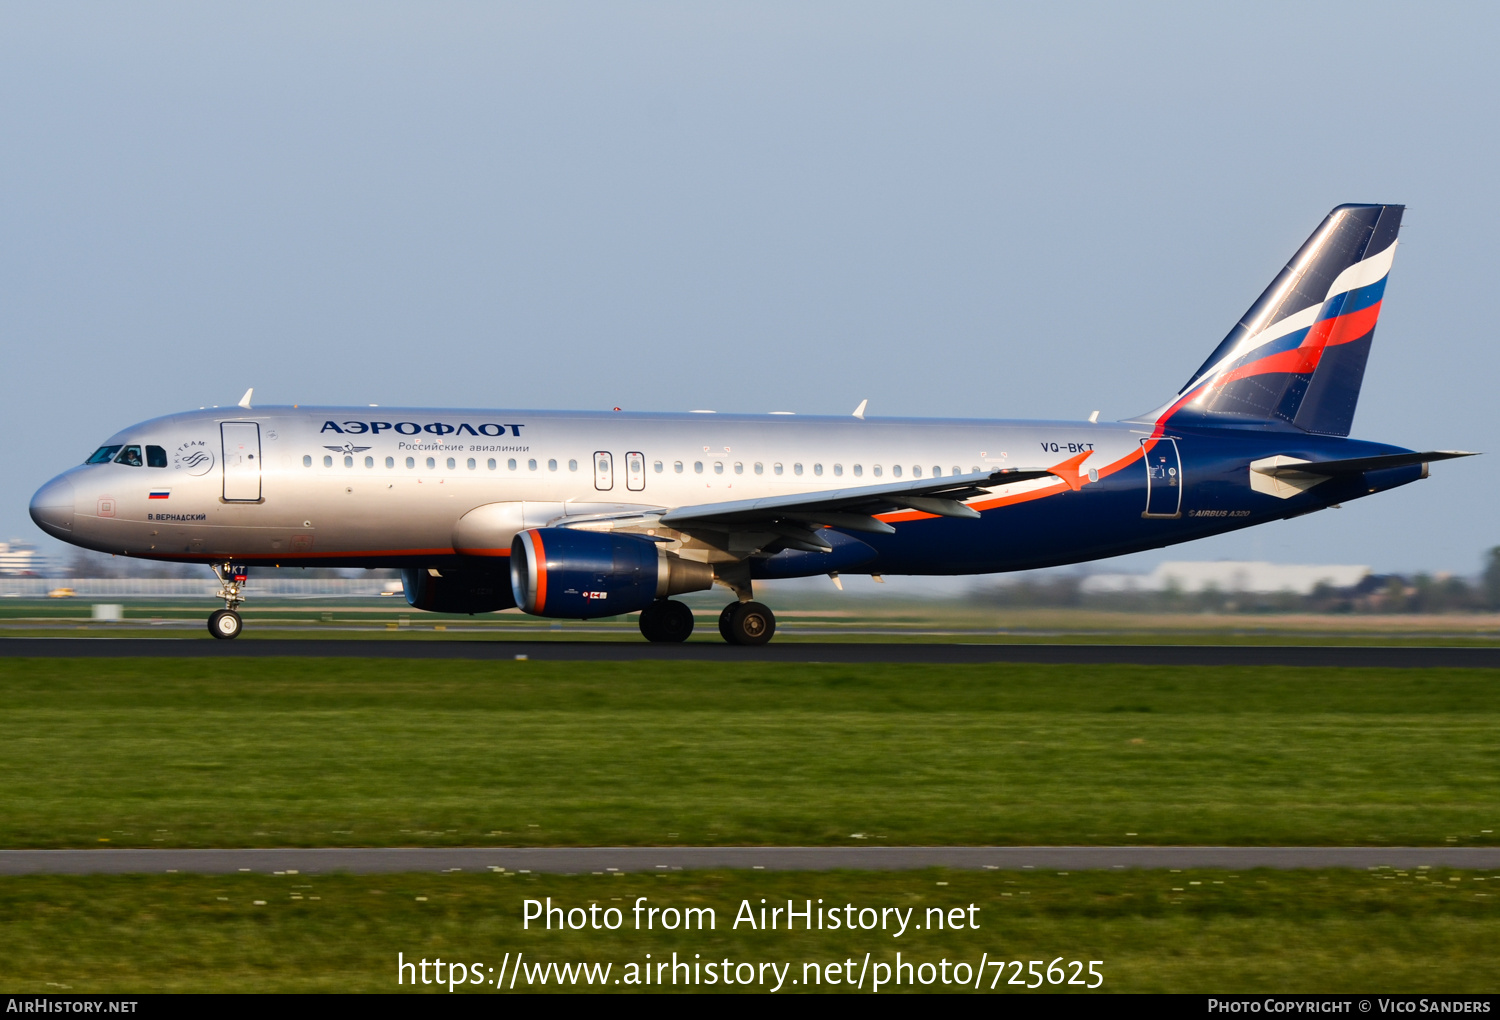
{"x": 457, "y": 591}
{"x": 579, "y": 575}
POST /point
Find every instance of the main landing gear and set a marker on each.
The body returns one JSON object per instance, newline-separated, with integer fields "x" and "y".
{"x": 665, "y": 621}
{"x": 741, "y": 623}
{"x": 747, "y": 623}
{"x": 225, "y": 623}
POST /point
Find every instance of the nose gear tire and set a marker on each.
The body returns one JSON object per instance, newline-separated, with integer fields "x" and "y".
{"x": 225, "y": 624}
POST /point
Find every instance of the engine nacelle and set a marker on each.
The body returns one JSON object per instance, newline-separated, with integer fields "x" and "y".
{"x": 580, "y": 575}
{"x": 457, "y": 591}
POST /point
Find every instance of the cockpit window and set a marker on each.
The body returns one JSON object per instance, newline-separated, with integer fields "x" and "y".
{"x": 131, "y": 455}
{"x": 156, "y": 457}
{"x": 103, "y": 455}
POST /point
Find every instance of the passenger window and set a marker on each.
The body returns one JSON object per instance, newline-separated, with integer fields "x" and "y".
{"x": 896, "y": 470}
{"x": 818, "y": 470}
{"x": 103, "y": 455}
{"x": 490, "y": 463}
{"x": 916, "y": 471}
{"x": 451, "y": 464}
{"x": 877, "y": 470}
{"x": 776, "y": 468}
{"x": 390, "y": 462}
{"x": 573, "y": 466}
{"x": 307, "y": 460}
{"x": 328, "y": 462}
{"x": 431, "y": 463}
{"x": 531, "y": 465}
{"x": 156, "y": 457}
{"x": 677, "y": 466}
{"x": 955, "y": 470}
{"x": 760, "y": 468}
{"x": 838, "y": 470}
{"x": 739, "y": 468}
{"x": 718, "y": 467}
{"x": 937, "y": 471}
{"x": 472, "y": 464}
{"x": 858, "y": 471}
{"x": 552, "y": 465}
{"x": 511, "y": 464}
{"x": 796, "y": 469}
{"x": 411, "y": 462}
{"x": 348, "y": 462}
{"x": 657, "y": 467}
{"x": 130, "y": 456}
{"x": 369, "y": 462}
{"x": 697, "y": 467}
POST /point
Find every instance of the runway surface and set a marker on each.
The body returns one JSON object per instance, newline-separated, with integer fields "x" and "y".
{"x": 584, "y": 860}
{"x": 862, "y": 652}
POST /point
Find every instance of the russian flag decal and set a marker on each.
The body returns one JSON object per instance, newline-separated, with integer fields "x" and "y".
{"x": 159, "y": 494}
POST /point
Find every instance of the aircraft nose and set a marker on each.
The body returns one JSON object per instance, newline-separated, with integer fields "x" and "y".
{"x": 52, "y": 508}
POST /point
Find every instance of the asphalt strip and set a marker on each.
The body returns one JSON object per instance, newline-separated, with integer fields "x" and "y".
{"x": 584, "y": 860}
{"x": 1402, "y": 656}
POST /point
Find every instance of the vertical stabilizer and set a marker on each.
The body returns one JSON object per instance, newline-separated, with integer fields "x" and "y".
{"x": 1297, "y": 357}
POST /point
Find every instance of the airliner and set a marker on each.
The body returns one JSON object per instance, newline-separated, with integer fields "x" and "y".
{"x": 580, "y": 515}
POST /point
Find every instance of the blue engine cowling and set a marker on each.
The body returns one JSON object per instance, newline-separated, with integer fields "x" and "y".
{"x": 456, "y": 591}
{"x": 579, "y": 575}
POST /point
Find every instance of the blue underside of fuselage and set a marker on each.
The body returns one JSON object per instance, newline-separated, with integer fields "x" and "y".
{"x": 1105, "y": 518}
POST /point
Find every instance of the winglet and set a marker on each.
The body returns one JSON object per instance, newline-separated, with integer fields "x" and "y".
{"x": 1068, "y": 470}
{"x": 245, "y": 400}
{"x": 859, "y": 412}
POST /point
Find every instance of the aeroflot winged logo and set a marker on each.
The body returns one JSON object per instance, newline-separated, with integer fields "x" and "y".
{"x": 411, "y": 428}
{"x": 348, "y": 449}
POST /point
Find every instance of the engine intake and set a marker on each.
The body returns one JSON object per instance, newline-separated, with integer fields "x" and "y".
{"x": 581, "y": 575}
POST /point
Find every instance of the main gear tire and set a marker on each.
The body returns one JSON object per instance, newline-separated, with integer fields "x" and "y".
{"x": 747, "y": 623}
{"x": 666, "y": 622}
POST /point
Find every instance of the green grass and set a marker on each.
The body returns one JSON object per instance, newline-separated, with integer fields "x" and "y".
{"x": 312, "y": 752}
{"x": 1317, "y": 931}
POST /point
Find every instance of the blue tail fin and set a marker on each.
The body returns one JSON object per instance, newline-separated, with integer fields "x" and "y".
{"x": 1297, "y": 357}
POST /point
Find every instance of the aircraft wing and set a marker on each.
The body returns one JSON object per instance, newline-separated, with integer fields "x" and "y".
{"x": 1354, "y": 465}
{"x": 796, "y": 518}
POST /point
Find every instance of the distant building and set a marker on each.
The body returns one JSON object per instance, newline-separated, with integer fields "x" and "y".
{"x": 18, "y": 559}
{"x": 1249, "y": 576}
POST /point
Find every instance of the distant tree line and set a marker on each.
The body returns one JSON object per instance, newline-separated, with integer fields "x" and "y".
{"x": 1377, "y": 593}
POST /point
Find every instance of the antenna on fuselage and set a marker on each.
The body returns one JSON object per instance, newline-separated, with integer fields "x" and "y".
{"x": 1094, "y": 418}
{"x": 245, "y": 400}
{"x": 859, "y": 412}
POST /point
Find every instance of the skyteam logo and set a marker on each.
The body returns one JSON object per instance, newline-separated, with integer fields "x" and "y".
{"x": 194, "y": 457}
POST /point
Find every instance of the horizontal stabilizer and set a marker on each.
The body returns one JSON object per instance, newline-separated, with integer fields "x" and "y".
{"x": 1284, "y": 477}
{"x": 1355, "y": 465}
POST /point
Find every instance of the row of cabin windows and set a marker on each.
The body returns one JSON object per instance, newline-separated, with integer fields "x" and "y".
{"x": 130, "y": 456}
{"x": 658, "y": 466}
{"x": 817, "y": 469}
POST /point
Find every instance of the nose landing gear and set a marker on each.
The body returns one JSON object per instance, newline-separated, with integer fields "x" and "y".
{"x": 225, "y": 623}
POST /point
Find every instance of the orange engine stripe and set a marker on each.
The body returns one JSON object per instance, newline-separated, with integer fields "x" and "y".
{"x": 541, "y": 569}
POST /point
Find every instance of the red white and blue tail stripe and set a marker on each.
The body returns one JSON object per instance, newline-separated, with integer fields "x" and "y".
{"x": 1297, "y": 357}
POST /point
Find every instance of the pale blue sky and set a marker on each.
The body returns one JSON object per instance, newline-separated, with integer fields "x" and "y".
{"x": 950, "y": 209}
